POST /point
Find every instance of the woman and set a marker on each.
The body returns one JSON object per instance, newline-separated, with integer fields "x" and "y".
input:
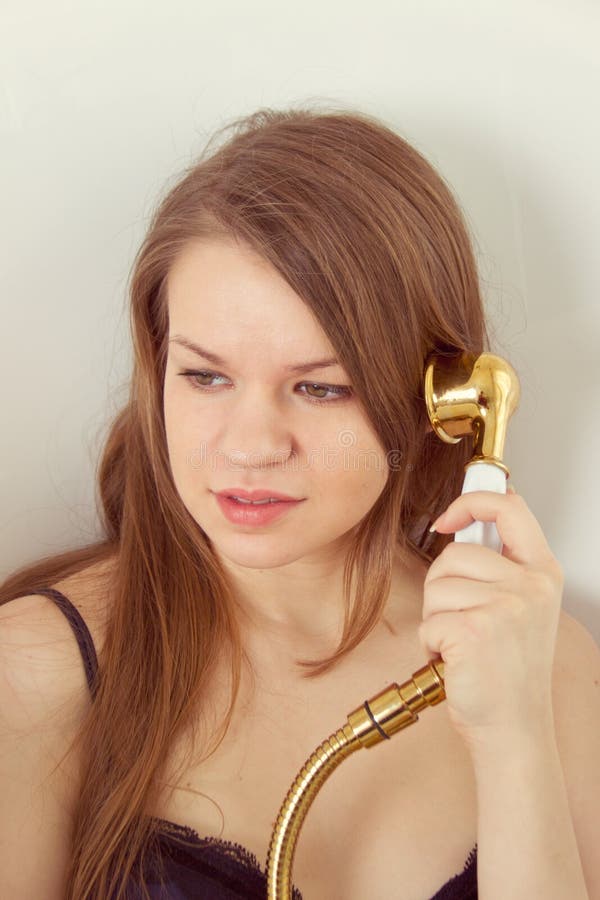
{"x": 283, "y": 301}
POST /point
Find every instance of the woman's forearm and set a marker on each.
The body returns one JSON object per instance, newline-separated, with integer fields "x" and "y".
{"x": 526, "y": 844}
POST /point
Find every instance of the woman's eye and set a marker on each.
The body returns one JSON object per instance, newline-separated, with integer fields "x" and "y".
{"x": 192, "y": 376}
{"x": 339, "y": 391}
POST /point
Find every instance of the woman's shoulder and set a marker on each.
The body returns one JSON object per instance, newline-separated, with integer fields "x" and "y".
{"x": 575, "y": 671}
{"x": 576, "y": 677}
{"x": 574, "y": 647}
{"x": 90, "y": 591}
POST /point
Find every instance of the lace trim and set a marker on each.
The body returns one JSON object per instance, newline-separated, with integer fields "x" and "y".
{"x": 233, "y": 851}
{"x": 231, "y": 848}
{"x": 471, "y": 858}
{"x": 454, "y": 888}
{"x": 240, "y": 854}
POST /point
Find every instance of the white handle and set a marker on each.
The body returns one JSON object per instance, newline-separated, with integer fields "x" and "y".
{"x": 482, "y": 476}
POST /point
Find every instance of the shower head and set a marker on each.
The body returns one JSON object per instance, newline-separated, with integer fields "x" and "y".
{"x": 469, "y": 394}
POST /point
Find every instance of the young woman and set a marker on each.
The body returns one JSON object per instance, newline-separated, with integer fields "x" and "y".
{"x": 267, "y": 564}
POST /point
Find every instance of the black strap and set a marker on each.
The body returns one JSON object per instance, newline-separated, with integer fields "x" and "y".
{"x": 81, "y": 632}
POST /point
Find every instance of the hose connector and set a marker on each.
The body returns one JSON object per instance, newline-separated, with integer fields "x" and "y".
{"x": 396, "y": 707}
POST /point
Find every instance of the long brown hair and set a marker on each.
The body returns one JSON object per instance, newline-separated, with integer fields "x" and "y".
{"x": 370, "y": 236}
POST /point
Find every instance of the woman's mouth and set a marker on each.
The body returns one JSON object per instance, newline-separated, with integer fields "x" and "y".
{"x": 254, "y": 512}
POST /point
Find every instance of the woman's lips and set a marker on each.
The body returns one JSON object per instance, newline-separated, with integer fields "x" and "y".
{"x": 256, "y": 494}
{"x": 254, "y": 514}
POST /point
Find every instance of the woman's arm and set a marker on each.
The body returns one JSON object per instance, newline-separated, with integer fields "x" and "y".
{"x": 539, "y": 793}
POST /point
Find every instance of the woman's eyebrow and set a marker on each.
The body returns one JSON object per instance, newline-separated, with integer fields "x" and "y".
{"x": 218, "y": 361}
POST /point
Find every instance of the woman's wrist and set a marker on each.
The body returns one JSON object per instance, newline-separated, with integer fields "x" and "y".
{"x": 522, "y": 737}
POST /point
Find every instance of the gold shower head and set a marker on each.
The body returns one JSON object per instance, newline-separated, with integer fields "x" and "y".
{"x": 472, "y": 394}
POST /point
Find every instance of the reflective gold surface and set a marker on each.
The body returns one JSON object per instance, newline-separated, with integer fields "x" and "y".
{"x": 469, "y": 394}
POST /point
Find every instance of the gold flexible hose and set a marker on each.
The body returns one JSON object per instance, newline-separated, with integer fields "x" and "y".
{"x": 374, "y": 721}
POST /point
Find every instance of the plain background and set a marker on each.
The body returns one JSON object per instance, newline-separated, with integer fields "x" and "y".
{"x": 102, "y": 105}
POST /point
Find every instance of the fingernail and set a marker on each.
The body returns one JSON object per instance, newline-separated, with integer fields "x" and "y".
{"x": 432, "y": 527}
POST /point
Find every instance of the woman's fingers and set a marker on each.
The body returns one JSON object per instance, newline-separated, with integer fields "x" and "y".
{"x": 470, "y": 561}
{"x": 453, "y": 594}
{"x": 521, "y": 535}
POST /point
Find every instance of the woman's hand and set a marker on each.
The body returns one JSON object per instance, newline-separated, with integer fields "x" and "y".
{"x": 494, "y": 619}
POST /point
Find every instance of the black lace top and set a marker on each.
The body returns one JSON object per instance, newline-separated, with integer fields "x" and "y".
{"x": 208, "y": 867}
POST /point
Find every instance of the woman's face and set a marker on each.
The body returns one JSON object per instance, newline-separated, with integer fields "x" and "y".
{"x": 251, "y": 422}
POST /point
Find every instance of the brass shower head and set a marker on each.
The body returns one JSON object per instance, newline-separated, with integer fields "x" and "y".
{"x": 470, "y": 394}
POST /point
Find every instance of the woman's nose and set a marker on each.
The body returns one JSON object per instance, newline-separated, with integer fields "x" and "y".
{"x": 257, "y": 434}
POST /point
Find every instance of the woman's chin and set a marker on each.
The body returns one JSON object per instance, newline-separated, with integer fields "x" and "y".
{"x": 241, "y": 553}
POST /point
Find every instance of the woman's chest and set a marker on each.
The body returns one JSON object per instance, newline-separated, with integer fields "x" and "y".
{"x": 397, "y": 820}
